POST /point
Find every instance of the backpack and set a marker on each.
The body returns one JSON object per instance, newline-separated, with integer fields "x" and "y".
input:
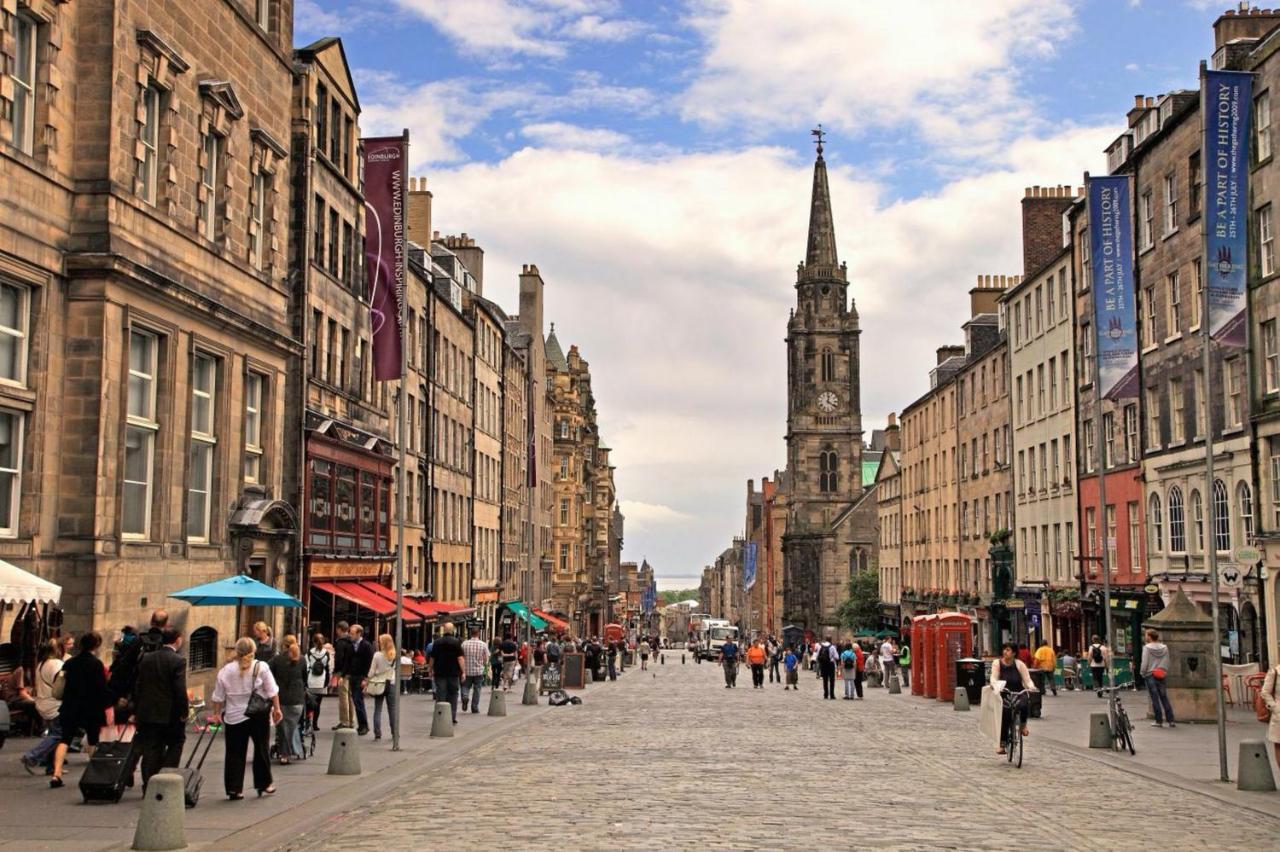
{"x": 319, "y": 665}
{"x": 1095, "y": 654}
{"x": 849, "y": 661}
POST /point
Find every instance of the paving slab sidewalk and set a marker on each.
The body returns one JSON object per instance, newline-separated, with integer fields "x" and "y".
{"x": 39, "y": 818}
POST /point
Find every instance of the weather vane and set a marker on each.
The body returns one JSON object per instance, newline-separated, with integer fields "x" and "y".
{"x": 819, "y": 134}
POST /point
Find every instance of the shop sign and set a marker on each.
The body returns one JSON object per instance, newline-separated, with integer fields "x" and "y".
{"x": 1151, "y": 589}
{"x": 1014, "y": 603}
{"x": 1246, "y": 555}
{"x": 1230, "y": 575}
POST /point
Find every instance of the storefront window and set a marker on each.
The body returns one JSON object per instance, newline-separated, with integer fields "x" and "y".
{"x": 320, "y": 514}
{"x": 344, "y": 516}
{"x": 368, "y": 529}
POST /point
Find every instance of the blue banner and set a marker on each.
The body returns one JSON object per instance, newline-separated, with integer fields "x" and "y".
{"x": 749, "y": 566}
{"x": 1227, "y": 103}
{"x": 1115, "y": 317}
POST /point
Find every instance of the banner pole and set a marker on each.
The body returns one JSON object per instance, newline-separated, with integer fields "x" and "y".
{"x": 401, "y": 497}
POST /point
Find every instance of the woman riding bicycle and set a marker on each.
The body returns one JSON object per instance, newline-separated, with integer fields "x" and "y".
{"x": 1007, "y": 673}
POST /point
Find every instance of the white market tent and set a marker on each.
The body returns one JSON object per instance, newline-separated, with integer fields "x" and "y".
{"x": 20, "y": 586}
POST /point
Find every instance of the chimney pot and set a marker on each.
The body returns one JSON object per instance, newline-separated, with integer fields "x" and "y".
{"x": 1151, "y": 102}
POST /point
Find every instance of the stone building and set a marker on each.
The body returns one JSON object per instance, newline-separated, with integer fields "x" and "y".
{"x": 1039, "y": 312}
{"x": 488, "y": 324}
{"x": 146, "y": 269}
{"x": 568, "y": 378}
{"x": 517, "y": 495}
{"x": 889, "y": 524}
{"x": 831, "y": 522}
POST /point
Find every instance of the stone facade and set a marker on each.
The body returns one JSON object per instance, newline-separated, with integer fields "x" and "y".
{"x": 831, "y": 523}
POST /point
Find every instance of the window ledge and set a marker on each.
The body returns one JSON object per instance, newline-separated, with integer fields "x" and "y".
{"x": 1173, "y": 445}
{"x": 1171, "y": 338}
{"x": 1143, "y": 250}
{"x": 1167, "y": 234}
{"x": 1234, "y": 430}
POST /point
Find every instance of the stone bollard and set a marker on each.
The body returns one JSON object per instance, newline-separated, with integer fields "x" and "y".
{"x": 662, "y": 659}
{"x": 442, "y": 721}
{"x": 344, "y": 753}
{"x": 530, "y": 692}
{"x": 1254, "y": 772}
{"x": 1099, "y": 731}
{"x": 160, "y": 823}
{"x": 895, "y": 688}
{"x": 682, "y": 659}
{"x": 960, "y": 700}
{"x": 497, "y": 703}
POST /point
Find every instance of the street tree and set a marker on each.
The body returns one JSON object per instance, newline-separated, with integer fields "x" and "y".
{"x": 861, "y": 609}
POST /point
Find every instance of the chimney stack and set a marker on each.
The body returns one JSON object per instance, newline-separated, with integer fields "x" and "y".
{"x": 418, "y": 215}
{"x": 1042, "y": 210}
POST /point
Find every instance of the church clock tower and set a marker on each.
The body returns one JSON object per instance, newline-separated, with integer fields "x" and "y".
{"x": 824, "y": 424}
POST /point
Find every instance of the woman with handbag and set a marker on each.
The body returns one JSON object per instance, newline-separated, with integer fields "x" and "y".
{"x": 1269, "y": 705}
{"x": 379, "y": 686}
{"x": 1155, "y": 668}
{"x": 246, "y": 701}
{"x": 290, "y": 673}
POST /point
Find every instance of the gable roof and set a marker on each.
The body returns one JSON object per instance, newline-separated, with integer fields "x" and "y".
{"x": 311, "y": 51}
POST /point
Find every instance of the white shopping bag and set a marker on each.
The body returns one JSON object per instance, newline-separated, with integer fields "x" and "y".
{"x": 989, "y": 715}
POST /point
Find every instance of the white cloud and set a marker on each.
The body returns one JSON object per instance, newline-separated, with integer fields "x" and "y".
{"x": 532, "y": 27}
{"x": 951, "y": 73}
{"x": 558, "y": 134}
{"x": 649, "y": 515}
{"x": 674, "y": 274}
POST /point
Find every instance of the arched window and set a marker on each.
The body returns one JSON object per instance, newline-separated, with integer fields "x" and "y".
{"x": 1221, "y": 517}
{"x": 828, "y": 365}
{"x": 202, "y": 649}
{"x": 1244, "y": 499}
{"x": 1157, "y": 524}
{"x": 1197, "y": 521}
{"x": 1177, "y": 523}
{"x": 829, "y": 472}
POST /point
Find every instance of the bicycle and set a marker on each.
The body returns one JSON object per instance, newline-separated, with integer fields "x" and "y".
{"x": 1012, "y": 743}
{"x": 1118, "y": 719}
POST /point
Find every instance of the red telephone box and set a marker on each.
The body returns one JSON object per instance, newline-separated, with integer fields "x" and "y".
{"x": 917, "y": 654}
{"x": 929, "y": 675}
{"x": 952, "y": 640}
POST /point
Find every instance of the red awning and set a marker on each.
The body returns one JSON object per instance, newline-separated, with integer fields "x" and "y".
{"x": 413, "y": 611}
{"x": 356, "y": 594}
{"x": 437, "y": 609}
{"x": 558, "y": 623}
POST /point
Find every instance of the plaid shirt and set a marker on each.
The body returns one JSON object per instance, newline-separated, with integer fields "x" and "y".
{"x": 476, "y": 654}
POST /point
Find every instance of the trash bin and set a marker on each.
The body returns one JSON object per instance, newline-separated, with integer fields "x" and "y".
{"x": 1035, "y": 702}
{"x": 969, "y": 674}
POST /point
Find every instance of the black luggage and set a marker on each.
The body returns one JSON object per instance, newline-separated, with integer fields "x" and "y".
{"x": 192, "y": 779}
{"x": 107, "y": 774}
{"x": 1034, "y": 703}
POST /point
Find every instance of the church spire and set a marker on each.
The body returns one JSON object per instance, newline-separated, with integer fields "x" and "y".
{"x": 821, "y": 251}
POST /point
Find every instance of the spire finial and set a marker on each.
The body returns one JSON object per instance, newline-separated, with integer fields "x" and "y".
{"x": 818, "y": 136}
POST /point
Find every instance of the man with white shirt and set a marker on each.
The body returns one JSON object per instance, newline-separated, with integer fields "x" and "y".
{"x": 475, "y": 654}
{"x": 888, "y": 659}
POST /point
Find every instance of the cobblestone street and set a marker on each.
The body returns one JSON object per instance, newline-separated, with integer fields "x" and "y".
{"x": 676, "y": 760}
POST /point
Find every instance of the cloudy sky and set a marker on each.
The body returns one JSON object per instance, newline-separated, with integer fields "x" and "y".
{"x": 654, "y": 160}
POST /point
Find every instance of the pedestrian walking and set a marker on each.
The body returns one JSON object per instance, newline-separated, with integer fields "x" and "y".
{"x": 475, "y": 654}
{"x": 1047, "y": 661}
{"x": 1156, "y": 664}
{"x": 510, "y": 660}
{"x": 343, "y": 649}
{"x": 266, "y": 641}
{"x": 1098, "y": 656}
{"x": 729, "y": 659}
{"x": 290, "y": 673}
{"x": 161, "y": 705}
{"x": 612, "y": 658}
{"x": 447, "y": 663}
{"x": 48, "y": 665}
{"x": 319, "y": 661}
{"x": 378, "y": 684}
{"x": 246, "y": 702}
{"x": 756, "y": 658}
{"x": 361, "y": 661}
{"x": 1271, "y": 701}
{"x": 849, "y": 671}
{"x": 904, "y": 664}
{"x": 828, "y": 656}
{"x": 774, "y": 647}
{"x": 85, "y": 699}
{"x": 888, "y": 659}
{"x": 644, "y": 654}
{"x": 792, "y": 664}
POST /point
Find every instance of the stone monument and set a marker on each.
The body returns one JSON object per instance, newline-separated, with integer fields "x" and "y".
{"x": 1189, "y": 634}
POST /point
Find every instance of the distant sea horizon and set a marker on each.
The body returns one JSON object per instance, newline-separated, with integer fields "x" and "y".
{"x": 666, "y": 584}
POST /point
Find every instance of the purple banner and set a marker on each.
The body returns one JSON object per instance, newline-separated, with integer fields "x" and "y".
{"x": 384, "y": 164}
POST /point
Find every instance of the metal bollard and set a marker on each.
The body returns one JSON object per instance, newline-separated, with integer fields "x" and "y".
{"x": 344, "y": 754}
{"x": 160, "y": 823}
{"x": 960, "y": 700}
{"x": 1254, "y": 772}
{"x": 662, "y": 659}
{"x": 895, "y": 688}
{"x": 442, "y": 721}
{"x": 530, "y": 692}
{"x": 1099, "y": 731}
{"x": 497, "y": 703}
{"x": 682, "y": 659}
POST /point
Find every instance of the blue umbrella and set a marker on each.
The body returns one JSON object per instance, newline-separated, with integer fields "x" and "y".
{"x": 238, "y": 590}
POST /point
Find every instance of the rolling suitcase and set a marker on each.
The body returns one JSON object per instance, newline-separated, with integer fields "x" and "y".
{"x": 192, "y": 779}
{"x": 107, "y": 774}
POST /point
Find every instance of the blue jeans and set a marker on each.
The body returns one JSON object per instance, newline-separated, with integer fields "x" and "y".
{"x": 42, "y": 752}
{"x": 471, "y": 692}
{"x": 1160, "y": 707}
{"x": 389, "y": 697}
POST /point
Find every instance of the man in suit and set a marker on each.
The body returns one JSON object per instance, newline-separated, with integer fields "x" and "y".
{"x": 162, "y": 707}
{"x": 361, "y": 662}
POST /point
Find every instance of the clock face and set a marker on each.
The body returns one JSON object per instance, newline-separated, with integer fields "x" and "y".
{"x": 827, "y": 402}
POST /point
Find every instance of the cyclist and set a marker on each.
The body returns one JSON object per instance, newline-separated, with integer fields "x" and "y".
{"x": 1007, "y": 673}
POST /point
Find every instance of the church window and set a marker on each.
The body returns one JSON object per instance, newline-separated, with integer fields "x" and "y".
{"x": 828, "y": 365}
{"x": 829, "y": 472}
